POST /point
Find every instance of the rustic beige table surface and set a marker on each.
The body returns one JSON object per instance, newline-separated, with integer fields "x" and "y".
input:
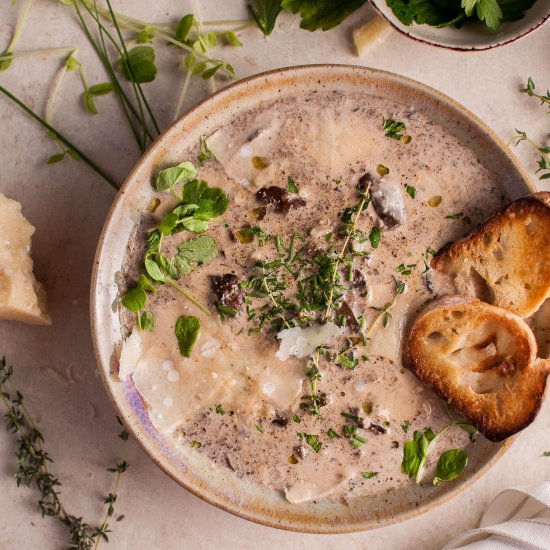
{"x": 67, "y": 203}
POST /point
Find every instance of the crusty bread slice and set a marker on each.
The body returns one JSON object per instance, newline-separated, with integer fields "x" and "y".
{"x": 482, "y": 360}
{"x": 505, "y": 261}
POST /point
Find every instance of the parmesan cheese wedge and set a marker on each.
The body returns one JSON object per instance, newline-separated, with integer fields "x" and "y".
{"x": 375, "y": 31}
{"x": 22, "y": 298}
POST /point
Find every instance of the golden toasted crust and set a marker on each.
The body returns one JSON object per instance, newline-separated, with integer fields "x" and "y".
{"x": 482, "y": 360}
{"x": 505, "y": 261}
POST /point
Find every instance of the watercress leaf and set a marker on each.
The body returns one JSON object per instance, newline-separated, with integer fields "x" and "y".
{"x": 209, "y": 73}
{"x": 195, "y": 225}
{"x": 147, "y": 321}
{"x": 209, "y": 39}
{"x": 89, "y": 102}
{"x": 211, "y": 201}
{"x": 199, "y": 67}
{"x": 189, "y": 61}
{"x": 198, "y": 250}
{"x": 58, "y": 157}
{"x": 187, "y": 332}
{"x": 5, "y": 64}
{"x": 146, "y": 35}
{"x": 322, "y": 14}
{"x": 134, "y": 299}
{"x": 72, "y": 63}
{"x": 412, "y": 455}
{"x": 450, "y": 465}
{"x": 169, "y": 177}
{"x": 145, "y": 283}
{"x": 169, "y": 222}
{"x": 183, "y": 265}
{"x": 231, "y": 37}
{"x": 185, "y": 24}
{"x": 265, "y": 13}
{"x": 154, "y": 271}
{"x": 138, "y": 65}
{"x": 101, "y": 89}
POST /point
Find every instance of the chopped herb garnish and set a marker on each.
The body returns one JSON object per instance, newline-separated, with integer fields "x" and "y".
{"x": 292, "y": 187}
{"x": 405, "y": 425}
{"x": 219, "y": 409}
{"x": 546, "y": 453}
{"x": 374, "y": 237}
{"x": 369, "y": 475}
{"x": 393, "y": 128}
{"x": 206, "y": 153}
{"x": 196, "y": 444}
{"x": 405, "y": 269}
{"x": 332, "y": 434}
{"x": 350, "y": 416}
{"x": 410, "y": 190}
{"x": 296, "y": 418}
{"x": 313, "y": 442}
{"x": 347, "y": 362}
{"x": 226, "y": 310}
{"x": 455, "y": 216}
{"x": 435, "y": 201}
{"x": 260, "y": 428}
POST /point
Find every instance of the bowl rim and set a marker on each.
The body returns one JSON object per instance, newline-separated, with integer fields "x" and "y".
{"x": 198, "y": 490}
{"x": 456, "y": 48}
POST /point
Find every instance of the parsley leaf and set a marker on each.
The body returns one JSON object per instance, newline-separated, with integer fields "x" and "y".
{"x": 450, "y": 465}
{"x": 265, "y": 13}
{"x": 486, "y": 10}
{"x": 322, "y": 14}
{"x": 187, "y": 332}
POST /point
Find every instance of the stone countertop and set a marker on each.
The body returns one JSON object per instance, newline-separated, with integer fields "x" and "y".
{"x": 55, "y": 366}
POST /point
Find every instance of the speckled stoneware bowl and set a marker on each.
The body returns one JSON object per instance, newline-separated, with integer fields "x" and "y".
{"x": 191, "y": 469}
{"x": 474, "y": 36}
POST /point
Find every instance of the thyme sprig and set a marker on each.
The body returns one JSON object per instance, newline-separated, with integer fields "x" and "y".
{"x": 33, "y": 469}
{"x": 544, "y": 150}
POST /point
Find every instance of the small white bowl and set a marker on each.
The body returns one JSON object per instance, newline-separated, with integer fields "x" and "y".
{"x": 474, "y": 35}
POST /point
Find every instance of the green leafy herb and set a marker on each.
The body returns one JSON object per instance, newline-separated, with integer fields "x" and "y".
{"x": 456, "y": 216}
{"x": 322, "y": 14}
{"x": 182, "y": 173}
{"x": 296, "y": 418}
{"x": 415, "y": 453}
{"x": 546, "y": 453}
{"x": 332, "y": 434}
{"x": 34, "y": 464}
{"x": 393, "y": 128}
{"x": 134, "y": 299}
{"x": 206, "y": 153}
{"x": 185, "y": 25}
{"x": 405, "y": 425}
{"x": 187, "y": 332}
{"x": 411, "y": 191}
{"x": 347, "y": 362}
{"x": 450, "y": 465}
{"x": 349, "y": 416}
{"x": 469, "y": 429}
{"x": 313, "y": 442}
{"x": 195, "y": 252}
{"x": 292, "y": 187}
{"x": 138, "y": 65}
{"x": 374, "y": 237}
{"x": 369, "y": 475}
{"x": 260, "y": 428}
{"x": 265, "y": 13}
{"x": 94, "y": 91}
{"x": 219, "y": 409}
{"x": 226, "y": 310}
{"x": 211, "y": 201}
{"x": 486, "y": 10}
{"x": 147, "y": 321}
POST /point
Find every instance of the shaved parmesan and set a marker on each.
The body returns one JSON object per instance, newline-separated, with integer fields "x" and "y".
{"x": 132, "y": 350}
{"x": 301, "y": 342}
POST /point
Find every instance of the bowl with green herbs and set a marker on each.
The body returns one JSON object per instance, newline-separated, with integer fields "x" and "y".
{"x": 464, "y": 25}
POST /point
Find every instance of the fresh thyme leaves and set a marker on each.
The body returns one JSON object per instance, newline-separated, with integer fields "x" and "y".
{"x": 411, "y": 191}
{"x": 393, "y": 128}
{"x": 384, "y": 314}
{"x": 296, "y": 418}
{"x": 544, "y": 150}
{"x": 187, "y": 332}
{"x": 138, "y": 65}
{"x": 314, "y": 375}
{"x": 313, "y": 441}
{"x": 265, "y": 13}
{"x": 292, "y": 187}
{"x": 332, "y": 434}
{"x": 33, "y": 469}
{"x": 456, "y": 216}
{"x": 405, "y": 269}
{"x": 374, "y": 237}
{"x": 347, "y": 362}
{"x": 182, "y": 173}
{"x": 206, "y": 153}
{"x": 219, "y": 409}
{"x": 450, "y": 465}
{"x": 369, "y": 475}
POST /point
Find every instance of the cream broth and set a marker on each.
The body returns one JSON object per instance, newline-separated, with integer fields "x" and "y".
{"x": 326, "y": 143}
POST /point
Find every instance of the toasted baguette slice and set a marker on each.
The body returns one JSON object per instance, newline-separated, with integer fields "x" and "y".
{"x": 505, "y": 261}
{"x": 482, "y": 360}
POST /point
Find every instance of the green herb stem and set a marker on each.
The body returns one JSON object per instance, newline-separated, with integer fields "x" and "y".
{"x": 60, "y": 137}
{"x": 19, "y": 26}
{"x": 41, "y": 51}
{"x": 188, "y": 295}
